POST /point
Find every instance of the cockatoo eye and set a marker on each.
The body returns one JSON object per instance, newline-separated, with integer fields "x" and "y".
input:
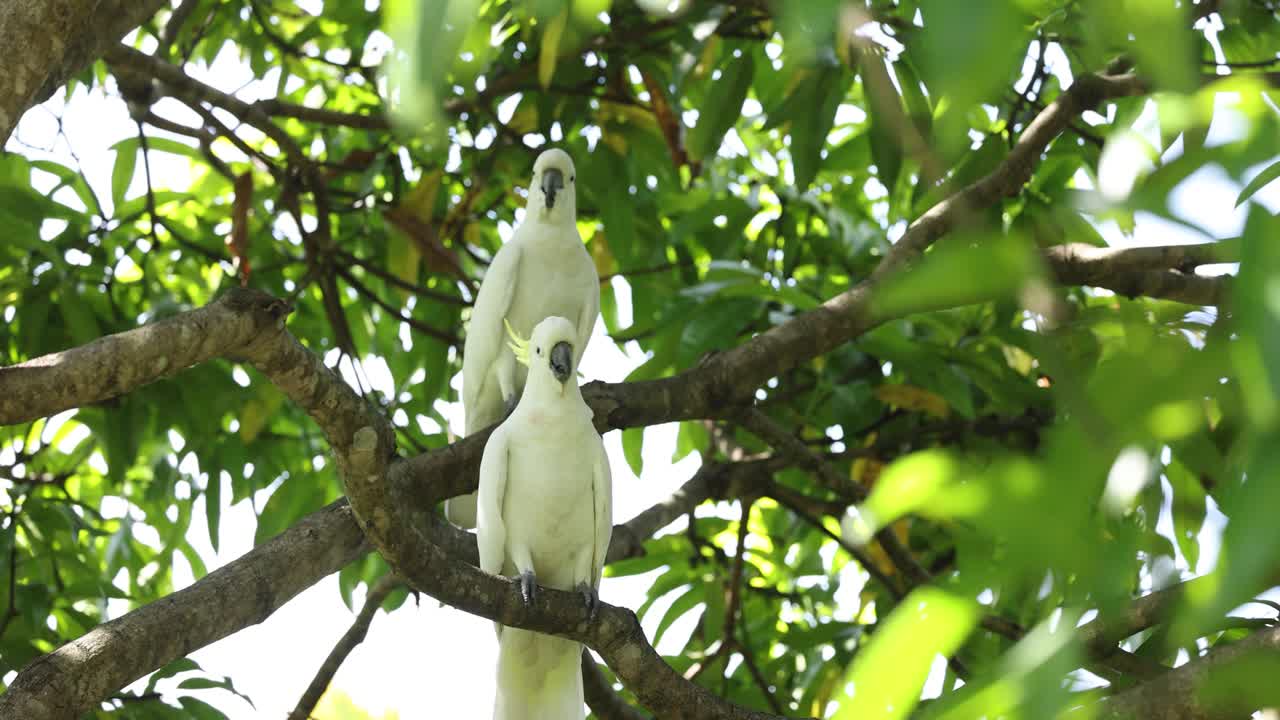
{"x": 538, "y": 350}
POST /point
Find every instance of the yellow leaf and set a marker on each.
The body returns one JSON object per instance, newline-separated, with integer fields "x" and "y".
{"x": 600, "y": 254}
{"x": 337, "y": 705}
{"x": 910, "y": 397}
{"x": 404, "y": 256}
{"x": 551, "y": 47}
{"x": 612, "y": 113}
{"x": 524, "y": 119}
{"x": 877, "y": 555}
{"x": 421, "y": 200}
{"x": 257, "y": 413}
{"x": 707, "y": 61}
{"x": 865, "y": 471}
{"x": 615, "y": 141}
{"x": 403, "y": 260}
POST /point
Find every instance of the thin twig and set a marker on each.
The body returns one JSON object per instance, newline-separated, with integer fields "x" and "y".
{"x": 774, "y": 434}
{"x": 412, "y": 322}
{"x": 401, "y": 282}
{"x": 348, "y": 642}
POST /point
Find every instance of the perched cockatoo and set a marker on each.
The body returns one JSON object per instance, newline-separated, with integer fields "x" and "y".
{"x": 544, "y": 270}
{"x": 545, "y": 517}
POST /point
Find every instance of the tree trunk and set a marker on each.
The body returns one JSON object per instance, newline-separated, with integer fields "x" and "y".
{"x": 44, "y": 42}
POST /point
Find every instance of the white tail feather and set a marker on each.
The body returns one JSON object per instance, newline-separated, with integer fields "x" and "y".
{"x": 539, "y": 677}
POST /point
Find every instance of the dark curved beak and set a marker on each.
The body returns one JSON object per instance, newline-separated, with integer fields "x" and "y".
{"x": 552, "y": 183}
{"x": 562, "y": 361}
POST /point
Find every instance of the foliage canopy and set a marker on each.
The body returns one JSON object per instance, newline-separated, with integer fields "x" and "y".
{"x": 1042, "y": 450}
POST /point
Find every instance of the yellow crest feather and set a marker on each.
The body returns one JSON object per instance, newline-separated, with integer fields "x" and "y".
{"x": 518, "y": 345}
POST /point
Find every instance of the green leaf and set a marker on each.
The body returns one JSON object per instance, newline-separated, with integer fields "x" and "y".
{"x": 957, "y": 272}
{"x": 888, "y": 674}
{"x": 617, "y": 210}
{"x": 632, "y": 445}
{"x": 1261, "y": 180}
{"x": 722, "y": 106}
{"x": 79, "y": 317}
{"x": 213, "y": 505}
{"x": 690, "y": 599}
{"x": 692, "y": 437}
{"x": 550, "y": 48}
{"x": 201, "y": 710}
{"x": 122, "y": 172}
{"x": 906, "y": 486}
{"x": 180, "y": 665}
{"x": 1257, "y": 355}
{"x": 819, "y": 94}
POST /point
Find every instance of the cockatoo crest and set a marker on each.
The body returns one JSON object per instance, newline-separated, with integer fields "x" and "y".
{"x": 519, "y": 346}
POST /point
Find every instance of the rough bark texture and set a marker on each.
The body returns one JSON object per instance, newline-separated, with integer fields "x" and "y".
{"x": 73, "y": 679}
{"x": 115, "y": 364}
{"x": 46, "y": 41}
{"x": 605, "y": 704}
{"x": 1162, "y": 272}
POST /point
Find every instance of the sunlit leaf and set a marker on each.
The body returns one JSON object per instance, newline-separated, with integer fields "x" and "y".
{"x": 889, "y": 673}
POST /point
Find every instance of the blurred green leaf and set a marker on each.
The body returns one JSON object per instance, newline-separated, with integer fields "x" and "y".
{"x": 889, "y": 673}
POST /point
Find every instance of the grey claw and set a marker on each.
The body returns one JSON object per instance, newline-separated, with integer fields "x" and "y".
{"x": 591, "y": 597}
{"x": 528, "y": 587}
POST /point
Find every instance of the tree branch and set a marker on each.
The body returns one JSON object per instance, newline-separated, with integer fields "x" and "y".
{"x": 113, "y": 365}
{"x": 599, "y": 694}
{"x": 72, "y": 680}
{"x": 1189, "y": 692}
{"x": 1016, "y": 169}
{"x": 48, "y": 42}
{"x": 348, "y": 642}
{"x": 762, "y": 425}
{"x": 1163, "y": 272}
{"x": 193, "y": 92}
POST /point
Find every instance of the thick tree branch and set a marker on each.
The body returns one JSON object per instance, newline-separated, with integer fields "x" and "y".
{"x": 1201, "y": 689}
{"x": 72, "y": 680}
{"x": 113, "y": 365}
{"x": 348, "y": 642}
{"x": 1163, "y": 272}
{"x": 48, "y": 41}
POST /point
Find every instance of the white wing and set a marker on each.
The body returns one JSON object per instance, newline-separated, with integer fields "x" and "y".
{"x": 587, "y": 317}
{"x": 486, "y": 332}
{"x": 491, "y": 529}
{"x": 602, "y": 494}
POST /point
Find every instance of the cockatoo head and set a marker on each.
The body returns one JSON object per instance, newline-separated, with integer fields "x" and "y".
{"x": 552, "y": 194}
{"x": 551, "y": 347}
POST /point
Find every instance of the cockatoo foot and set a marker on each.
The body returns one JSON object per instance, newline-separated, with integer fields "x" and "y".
{"x": 591, "y": 597}
{"x": 528, "y": 587}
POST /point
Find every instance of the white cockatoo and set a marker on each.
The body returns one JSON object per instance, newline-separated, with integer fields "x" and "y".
{"x": 543, "y": 270}
{"x": 545, "y": 517}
